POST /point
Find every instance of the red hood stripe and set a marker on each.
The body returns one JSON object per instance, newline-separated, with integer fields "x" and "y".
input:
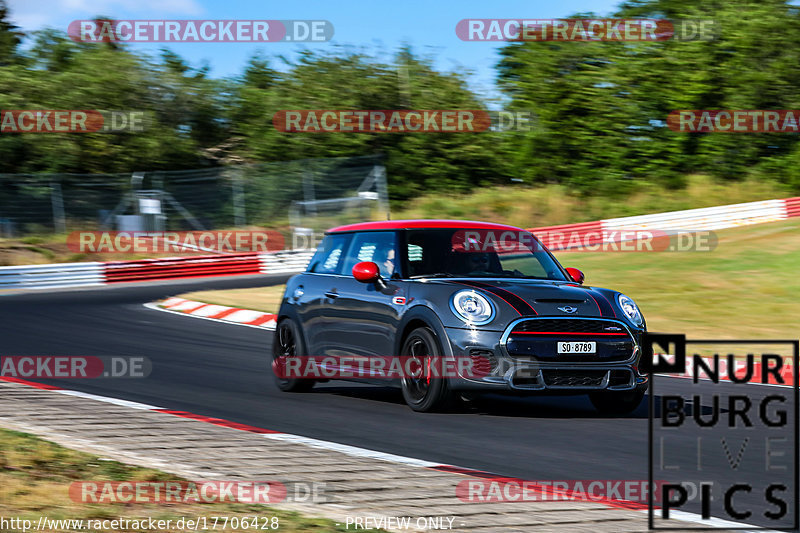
{"x": 606, "y": 309}
{"x": 520, "y": 306}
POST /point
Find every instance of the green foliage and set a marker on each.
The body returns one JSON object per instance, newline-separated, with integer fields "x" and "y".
{"x": 10, "y": 37}
{"x": 346, "y": 79}
{"x": 600, "y": 107}
{"x": 62, "y": 74}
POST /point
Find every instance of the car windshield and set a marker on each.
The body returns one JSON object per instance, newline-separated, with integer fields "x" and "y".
{"x": 478, "y": 253}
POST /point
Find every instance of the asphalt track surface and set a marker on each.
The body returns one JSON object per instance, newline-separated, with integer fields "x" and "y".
{"x": 221, "y": 370}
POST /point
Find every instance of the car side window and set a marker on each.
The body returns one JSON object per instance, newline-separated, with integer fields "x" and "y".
{"x": 424, "y": 251}
{"x": 376, "y": 246}
{"x": 328, "y": 258}
{"x": 416, "y": 258}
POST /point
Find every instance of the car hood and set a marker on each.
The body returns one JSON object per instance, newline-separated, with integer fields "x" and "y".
{"x": 544, "y": 297}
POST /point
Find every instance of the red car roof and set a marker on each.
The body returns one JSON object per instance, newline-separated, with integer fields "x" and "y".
{"x": 423, "y": 224}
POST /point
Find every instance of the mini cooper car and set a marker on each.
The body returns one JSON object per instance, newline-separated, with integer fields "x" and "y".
{"x": 486, "y": 306}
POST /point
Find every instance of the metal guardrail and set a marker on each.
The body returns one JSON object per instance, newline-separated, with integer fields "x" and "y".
{"x": 707, "y": 218}
{"x": 702, "y": 219}
{"x": 62, "y": 275}
{"x": 52, "y": 276}
{"x": 793, "y": 207}
{"x": 182, "y": 267}
{"x": 285, "y": 262}
{"x": 92, "y": 274}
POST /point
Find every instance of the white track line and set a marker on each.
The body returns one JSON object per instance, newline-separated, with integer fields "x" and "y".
{"x": 107, "y": 399}
{"x": 346, "y": 449}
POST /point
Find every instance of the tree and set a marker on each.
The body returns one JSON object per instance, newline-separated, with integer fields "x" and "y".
{"x": 10, "y": 36}
{"x": 603, "y": 106}
{"x": 346, "y": 79}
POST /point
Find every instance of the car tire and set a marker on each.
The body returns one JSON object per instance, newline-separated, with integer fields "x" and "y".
{"x": 424, "y": 394}
{"x": 617, "y": 402}
{"x": 288, "y": 342}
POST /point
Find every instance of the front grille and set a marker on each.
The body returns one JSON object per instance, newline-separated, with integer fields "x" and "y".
{"x": 573, "y": 378}
{"x": 568, "y": 325}
{"x": 536, "y": 339}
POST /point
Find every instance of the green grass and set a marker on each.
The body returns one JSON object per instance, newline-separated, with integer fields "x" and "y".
{"x": 35, "y": 476}
{"x": 549, "y": 205}
{"x": 519, "y": 205}
{"x": 747, "y": 287}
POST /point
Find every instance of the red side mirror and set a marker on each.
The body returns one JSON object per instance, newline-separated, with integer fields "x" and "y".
{"x": 366, "y": 272}
{"x": 576, "y": 275}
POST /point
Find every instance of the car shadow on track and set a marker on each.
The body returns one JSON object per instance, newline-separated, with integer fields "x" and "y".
{"x": 367, "y": 392}
{"x": 563, "y": 407}
{"x": 546, "y": 407}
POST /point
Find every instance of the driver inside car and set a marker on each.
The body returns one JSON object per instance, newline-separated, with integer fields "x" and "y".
{"x": 387, "y": 264}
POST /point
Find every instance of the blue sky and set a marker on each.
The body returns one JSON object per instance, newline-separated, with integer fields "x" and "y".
{"x": 378, "y": 27}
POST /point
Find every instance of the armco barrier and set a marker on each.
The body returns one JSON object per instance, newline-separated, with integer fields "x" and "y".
{"x": 793, "y": 207}
{"x": 182, "y": 267}
{"x": 52, "y": 276}
{"x": 708, "y": 218}
{"x": 62, "y": 275}
{"x": 562, "y": 237}
{"x": 285, "y": 262}
{"x": 569, "y": 236}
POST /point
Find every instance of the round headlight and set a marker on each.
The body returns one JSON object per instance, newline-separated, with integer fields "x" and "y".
{"x": 630, "y": 309}
{"x": 472, "y": 307}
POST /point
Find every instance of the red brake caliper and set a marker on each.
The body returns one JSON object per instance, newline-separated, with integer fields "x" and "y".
{"x": 429, "y": 361}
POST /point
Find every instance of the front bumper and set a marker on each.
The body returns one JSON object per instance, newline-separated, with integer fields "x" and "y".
{"x": 533, "y": 367}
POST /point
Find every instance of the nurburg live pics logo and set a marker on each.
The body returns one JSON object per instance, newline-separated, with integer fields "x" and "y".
{"x": 740, "y": 402}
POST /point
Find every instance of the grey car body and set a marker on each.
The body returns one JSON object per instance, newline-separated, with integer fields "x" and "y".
{"x": 337, "y": 315}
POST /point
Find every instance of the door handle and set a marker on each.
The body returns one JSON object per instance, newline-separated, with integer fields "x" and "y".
{"x": 332, "y": 294}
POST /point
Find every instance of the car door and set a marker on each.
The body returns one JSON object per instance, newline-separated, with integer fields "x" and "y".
{"x": 320, "y": 278}
{"x": 362, "y": 319}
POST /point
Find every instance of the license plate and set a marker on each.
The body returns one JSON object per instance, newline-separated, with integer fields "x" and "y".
{"x": 577, "y": 347}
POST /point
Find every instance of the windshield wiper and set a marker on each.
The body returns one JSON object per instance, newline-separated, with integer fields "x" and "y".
{"x": 434, "y": 275}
